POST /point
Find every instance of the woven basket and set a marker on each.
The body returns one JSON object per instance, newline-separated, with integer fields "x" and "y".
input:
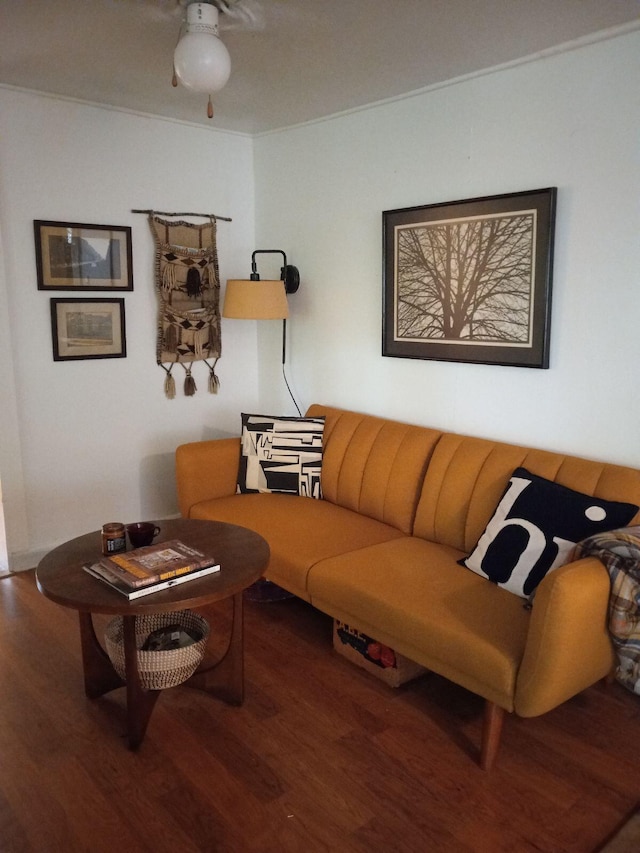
{"x": 158, "y": 670}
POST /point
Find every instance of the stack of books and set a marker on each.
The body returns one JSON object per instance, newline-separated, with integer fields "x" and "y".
{"x": 152, "y": 568}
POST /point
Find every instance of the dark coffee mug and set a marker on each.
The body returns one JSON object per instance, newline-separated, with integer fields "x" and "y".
{"x": 142, "y": 533}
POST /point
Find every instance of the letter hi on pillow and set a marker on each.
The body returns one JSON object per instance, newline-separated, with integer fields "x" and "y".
{"x": 535, "y": 528}
{"x": 281, "y": 455}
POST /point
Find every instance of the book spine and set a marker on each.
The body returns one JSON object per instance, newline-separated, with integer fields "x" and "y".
{"x": 180, "y": 570}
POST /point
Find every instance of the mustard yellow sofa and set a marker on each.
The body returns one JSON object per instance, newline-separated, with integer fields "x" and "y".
{"x": 401, "y": 505}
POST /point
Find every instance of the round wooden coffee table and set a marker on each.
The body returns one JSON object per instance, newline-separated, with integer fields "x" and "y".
{"x": 243, "y": 556}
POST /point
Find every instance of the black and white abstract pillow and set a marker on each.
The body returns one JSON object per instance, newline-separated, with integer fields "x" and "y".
{"x": 281, "y": 455}
{"x": 535, "y": 528}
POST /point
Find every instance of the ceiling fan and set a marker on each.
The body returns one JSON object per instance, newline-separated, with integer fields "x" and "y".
{"x": 236, "y": 14}
{"x": 201, "y": 61}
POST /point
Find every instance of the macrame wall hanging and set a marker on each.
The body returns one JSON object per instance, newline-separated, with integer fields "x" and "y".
{"x": 187, "y": 284}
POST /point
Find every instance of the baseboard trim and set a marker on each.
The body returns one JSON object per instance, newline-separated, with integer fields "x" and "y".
{"x": 26, "y": 560}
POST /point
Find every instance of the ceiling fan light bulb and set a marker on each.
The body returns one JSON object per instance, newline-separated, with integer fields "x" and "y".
{"x": 201, "y": 61}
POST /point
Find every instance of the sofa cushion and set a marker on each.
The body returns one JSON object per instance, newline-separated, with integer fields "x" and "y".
{"x": 281, "y": 454}
{"x": 374, "y": 466}
{"x": 413, "y": 596}
{"x": 300, "y": 532}
{"x": 535, "y": 528}
{"x": 467, "y": 477}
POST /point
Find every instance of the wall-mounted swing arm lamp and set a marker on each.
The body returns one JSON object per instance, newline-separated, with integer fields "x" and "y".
{"x": 263, "y": 299}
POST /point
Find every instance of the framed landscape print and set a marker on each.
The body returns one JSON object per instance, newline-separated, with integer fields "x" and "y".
{"x": 70, "y": 256}
{"x": 88, "y": 328}
{"x": 470, "y": 280}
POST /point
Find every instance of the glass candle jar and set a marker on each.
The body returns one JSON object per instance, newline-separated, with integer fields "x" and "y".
{"x": 113, "y": 538}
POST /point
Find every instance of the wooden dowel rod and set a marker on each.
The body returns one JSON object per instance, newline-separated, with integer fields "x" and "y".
{"x": 205, "y": 215}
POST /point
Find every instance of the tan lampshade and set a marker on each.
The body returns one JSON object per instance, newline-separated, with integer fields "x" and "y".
{"x": 255, "y": 300}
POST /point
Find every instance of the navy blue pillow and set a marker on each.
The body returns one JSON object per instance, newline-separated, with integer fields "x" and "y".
{"x": 535, "y": 528}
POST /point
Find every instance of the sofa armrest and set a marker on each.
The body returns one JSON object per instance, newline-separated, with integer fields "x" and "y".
{"x": 206, "y": 470}
{"x": 568, "y": 644}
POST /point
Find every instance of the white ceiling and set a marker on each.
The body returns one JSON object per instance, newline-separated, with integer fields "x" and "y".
{"x": 311, "y": 59}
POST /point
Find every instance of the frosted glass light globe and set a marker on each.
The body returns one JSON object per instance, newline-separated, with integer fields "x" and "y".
{"x": 201, "y": 61}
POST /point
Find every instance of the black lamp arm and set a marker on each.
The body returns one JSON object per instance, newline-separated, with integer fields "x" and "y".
{"x": 289, "y": 274}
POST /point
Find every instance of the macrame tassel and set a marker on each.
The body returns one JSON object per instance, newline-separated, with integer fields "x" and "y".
{"x": 211, "y": 276}
{"x": 169, "y": 387}
{"x": 194, "y": 284}
{"x": 170, "y": 338}
{"x": 189, "y": 383}
{"x": 214, "y": 382}
{"x": 169, "y": 383}
{"x": 200, "y": 338}
{"x": 169, "y": 277}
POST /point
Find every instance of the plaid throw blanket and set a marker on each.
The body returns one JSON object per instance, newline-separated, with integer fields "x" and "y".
{"x": 619, "y": 550}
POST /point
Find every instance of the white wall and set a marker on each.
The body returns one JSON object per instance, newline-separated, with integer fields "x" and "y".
{"x": 10, "y": 452}
{"x": 571, "y": 121}
{"x": 93, "y": 441}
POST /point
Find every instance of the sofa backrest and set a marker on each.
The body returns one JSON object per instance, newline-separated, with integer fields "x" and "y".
{"x": 374, "y": 466}
{"x": 467, "y": 476}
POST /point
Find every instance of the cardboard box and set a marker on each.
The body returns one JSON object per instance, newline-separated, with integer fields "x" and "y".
{"x": 385, "y": 663}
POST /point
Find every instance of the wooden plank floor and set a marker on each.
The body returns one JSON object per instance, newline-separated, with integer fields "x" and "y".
{"x": 321, "y": 757}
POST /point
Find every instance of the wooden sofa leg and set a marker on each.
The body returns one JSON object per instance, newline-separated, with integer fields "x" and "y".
{"x": 491, "y": 731}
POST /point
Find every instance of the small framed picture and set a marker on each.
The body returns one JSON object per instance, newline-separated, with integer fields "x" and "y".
{"x": 470, "y": 280}
{"x": 70, "y": 256}
{"x": 88, "y": 328}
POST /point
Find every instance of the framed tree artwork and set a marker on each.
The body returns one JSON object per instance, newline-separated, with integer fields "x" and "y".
{"x": 470, "y": 280}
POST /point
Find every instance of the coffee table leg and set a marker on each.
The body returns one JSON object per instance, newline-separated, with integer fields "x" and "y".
{"x": 225, "y": 679}
{"x": 140, "y": 701}
{"x": 99, "y": 675}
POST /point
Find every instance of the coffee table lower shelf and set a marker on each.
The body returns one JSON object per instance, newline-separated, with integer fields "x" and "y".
{"x": 223, "y": 679}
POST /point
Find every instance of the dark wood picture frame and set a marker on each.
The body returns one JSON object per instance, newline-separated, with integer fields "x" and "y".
{"x": 88, "y": 328}
{"x": 470, "y": 280}
{"x": 72, "y": 256}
